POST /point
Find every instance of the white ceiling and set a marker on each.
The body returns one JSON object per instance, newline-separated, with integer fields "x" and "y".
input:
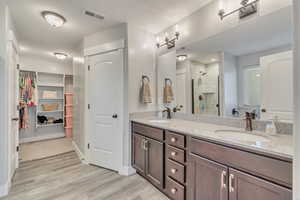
{"x": 35, "y": 35}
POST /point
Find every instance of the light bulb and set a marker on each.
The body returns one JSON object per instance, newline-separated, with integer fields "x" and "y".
{"x": 157, "y": 39}
{"x": 176, "y": 28}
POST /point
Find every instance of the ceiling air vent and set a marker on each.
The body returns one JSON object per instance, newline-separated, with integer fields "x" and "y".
{"x": 92, "y": 14}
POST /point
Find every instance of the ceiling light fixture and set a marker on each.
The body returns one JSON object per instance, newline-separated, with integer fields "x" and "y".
{"x": 170, "y": 43}
{"x": 248, "y": 8}
{"x": 54, "y": 19}
{"x": 61, "y": 56}
{"x": 181, "y": 58}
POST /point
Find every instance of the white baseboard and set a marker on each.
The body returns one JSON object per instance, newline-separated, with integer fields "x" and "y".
{"x": 40, "y": 138}
{"x": 79, "y": 153}
{"x": 127, "y": 171}
{"x": 4, "y": 189}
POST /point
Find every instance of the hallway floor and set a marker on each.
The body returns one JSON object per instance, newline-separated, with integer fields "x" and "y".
{"x": 43, "y": 149}
{"x": 64, "y": 177}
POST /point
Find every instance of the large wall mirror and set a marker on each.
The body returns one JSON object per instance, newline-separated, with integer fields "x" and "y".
{"x": 245, "y": 69}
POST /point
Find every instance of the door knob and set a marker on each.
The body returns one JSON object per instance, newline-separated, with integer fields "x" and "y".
{"x": 115, "y": 116}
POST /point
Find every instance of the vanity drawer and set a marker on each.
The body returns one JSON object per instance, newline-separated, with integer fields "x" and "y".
{"x": 175, "y": 139}
{"x": 148, "y": 131}
{"x": 175, "y": 170}
{"x": 174, "y": 190}
{"x": 275, "y": 170}
{"x": 176, "y": 154}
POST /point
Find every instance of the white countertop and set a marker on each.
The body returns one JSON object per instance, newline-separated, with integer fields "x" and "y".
{"x": 278, "y": 145}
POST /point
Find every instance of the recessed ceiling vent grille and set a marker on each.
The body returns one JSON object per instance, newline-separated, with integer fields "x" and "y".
{"x": 92, "y": 14}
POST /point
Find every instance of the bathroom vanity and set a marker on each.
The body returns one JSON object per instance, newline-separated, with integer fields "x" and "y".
{"x": 192, "y": 161}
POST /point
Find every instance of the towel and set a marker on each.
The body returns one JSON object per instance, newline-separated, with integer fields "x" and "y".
{"x": 146, "y": 93}
{"x": 168, "y": 94}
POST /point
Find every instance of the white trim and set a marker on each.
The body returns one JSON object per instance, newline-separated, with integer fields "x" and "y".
{"x": 79, "y": 153}
{"x": 118, "y": 44}
{"x": 40, "y": 138}
{"x": 127, "y": 171}
{"x": 4, "y": 189}
{"x": 12, "y": 38}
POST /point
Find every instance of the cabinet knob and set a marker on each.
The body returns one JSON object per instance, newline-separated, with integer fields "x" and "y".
{"x": 173, "y": 190}
{"x": 173, "y": 171}
{"x": 173, "y": 139}
{"x": 173, "y": 153}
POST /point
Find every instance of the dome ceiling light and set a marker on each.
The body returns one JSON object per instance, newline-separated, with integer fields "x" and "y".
{"x": 181, "y": 58}
{"x": 54, "y": 19}
{"x": 61, "y": 56}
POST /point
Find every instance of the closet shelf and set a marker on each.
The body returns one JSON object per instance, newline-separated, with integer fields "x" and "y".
{"x": 50, "y": 85}
{"x": 49, "y": 125}
{"x": 41, "y": 99}
{"x": 54, "y": 111}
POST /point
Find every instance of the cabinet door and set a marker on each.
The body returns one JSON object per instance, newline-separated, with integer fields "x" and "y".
{"x": 206, "y": 179}
{"x": 246, "y": 187}
{"x": 138, "y": 153}
{"x": 155, "y": 162}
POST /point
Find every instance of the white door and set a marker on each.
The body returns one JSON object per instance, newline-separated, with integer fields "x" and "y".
{"x": 106, "y": 115}
{"x": 181, "y": 90}
{"x": 13, "y": 106}
{"x": 277, "y": 86}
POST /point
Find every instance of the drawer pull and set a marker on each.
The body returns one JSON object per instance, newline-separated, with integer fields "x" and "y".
{"x": 231, "y": 186}
{"x": 173, "y": 153}
{"x": 173, "y": 190}
{"x": 223, "y": 180}
{"x": 173, "y": 139}
{"x": 173, "y": 171}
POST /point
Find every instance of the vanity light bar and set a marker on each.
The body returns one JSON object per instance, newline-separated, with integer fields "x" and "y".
{"x": 246, "y": 9}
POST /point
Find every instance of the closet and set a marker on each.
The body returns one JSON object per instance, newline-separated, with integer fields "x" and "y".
{"x": 43, "y": 105}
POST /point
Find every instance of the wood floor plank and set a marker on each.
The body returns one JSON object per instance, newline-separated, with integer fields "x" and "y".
{"x": 64, "y": 177}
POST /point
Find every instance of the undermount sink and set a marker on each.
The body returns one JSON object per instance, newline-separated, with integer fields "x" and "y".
{"x": 160, "y": 121}
{"x": 242, "y": 136}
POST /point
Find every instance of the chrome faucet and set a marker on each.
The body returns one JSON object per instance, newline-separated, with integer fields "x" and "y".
{"x": 169, "y": 110}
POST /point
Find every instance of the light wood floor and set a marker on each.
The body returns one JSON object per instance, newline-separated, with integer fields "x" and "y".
{"x": 64, "y": 177}
{"x": 44, "y": 149}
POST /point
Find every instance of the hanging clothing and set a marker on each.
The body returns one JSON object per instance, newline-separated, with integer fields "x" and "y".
{"x": 28, "y": 96}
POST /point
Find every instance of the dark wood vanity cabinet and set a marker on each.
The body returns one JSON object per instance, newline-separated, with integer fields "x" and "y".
{"x": 206, "y": 180}
{"x": 154, "y": 162}
{"x": 188, "y": 168}
{"x": 148, "y": 157}
{"x": 243, "y": 186}
{"x": 138, "y": 153}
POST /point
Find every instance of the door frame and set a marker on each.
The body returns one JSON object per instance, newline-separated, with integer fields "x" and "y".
{"x": 12, "y": 45}
{"x": 98, "y": 50}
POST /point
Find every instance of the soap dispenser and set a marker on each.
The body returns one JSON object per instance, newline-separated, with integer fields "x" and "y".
{"x": 271, "y": 128}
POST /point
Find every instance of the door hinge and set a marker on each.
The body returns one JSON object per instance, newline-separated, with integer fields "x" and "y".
{"x": 89, "y": 67}
{"x": 89, "y": 106}
{"x": 88, "y": 146}
{"x": 18, "y": 67}
{"x": 17, "y": 148}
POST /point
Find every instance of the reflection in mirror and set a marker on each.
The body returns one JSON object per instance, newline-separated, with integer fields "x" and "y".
{"x": 245, "y": 69}
{"x": 203, "y": 82}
